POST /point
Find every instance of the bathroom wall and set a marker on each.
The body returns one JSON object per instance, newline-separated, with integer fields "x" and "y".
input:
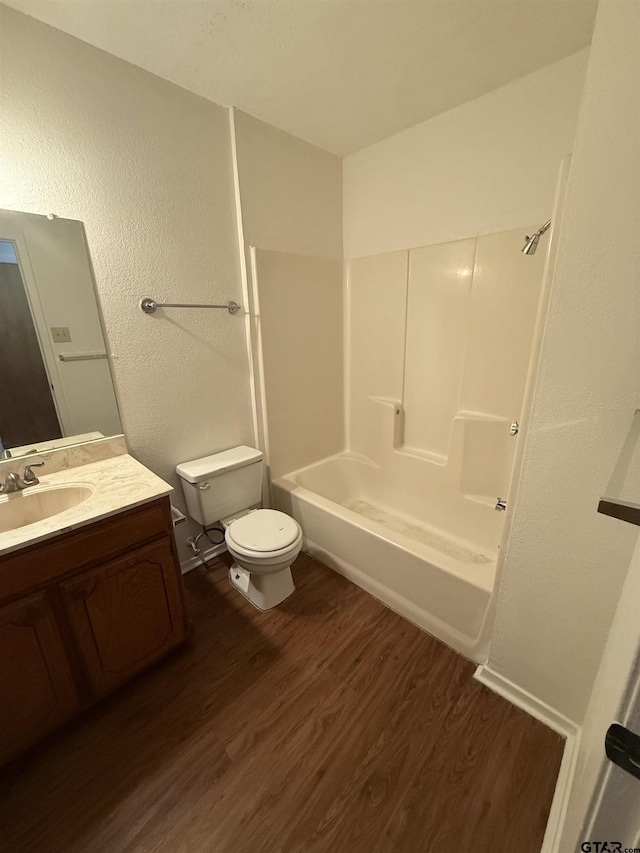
{"x": 147, "y": 167}
{"x": 291, "y": 191}
{"x": 565, "y": 563}
{"x": 488, "y": 165}
{"x": 290, "y": 195}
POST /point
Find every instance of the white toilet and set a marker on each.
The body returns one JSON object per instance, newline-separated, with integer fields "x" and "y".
{"x": 227, "y": 487}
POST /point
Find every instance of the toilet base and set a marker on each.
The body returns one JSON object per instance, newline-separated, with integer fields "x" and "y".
{"x": 263, "y": 591}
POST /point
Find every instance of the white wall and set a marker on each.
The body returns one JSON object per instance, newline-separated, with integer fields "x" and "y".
{"x": 488, "y": 165}
{"x": 291, "y": 191}
{"x": 565, "y": 563}
{"x": 147, "y": 167}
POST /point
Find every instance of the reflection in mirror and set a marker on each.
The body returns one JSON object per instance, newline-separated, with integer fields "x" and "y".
{"x": 55, "y": 383}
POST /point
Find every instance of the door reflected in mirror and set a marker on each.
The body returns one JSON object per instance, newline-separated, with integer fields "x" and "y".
{"x": 56, "y": 386}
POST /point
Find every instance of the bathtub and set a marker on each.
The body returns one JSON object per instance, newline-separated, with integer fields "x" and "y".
{"x": 435, "y": 567}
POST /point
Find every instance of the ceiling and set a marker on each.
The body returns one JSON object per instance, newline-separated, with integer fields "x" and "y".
{"x": 341, "y": 74}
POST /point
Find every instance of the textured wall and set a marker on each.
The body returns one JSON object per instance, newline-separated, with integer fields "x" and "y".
{"x": 147, "y": 167}
{"x": 489, "y": 165}
{"x": 565, "y": 563}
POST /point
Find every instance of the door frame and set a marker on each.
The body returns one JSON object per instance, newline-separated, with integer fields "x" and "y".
{"x": 40, "y": 325}
{"x": 592, "y": 791}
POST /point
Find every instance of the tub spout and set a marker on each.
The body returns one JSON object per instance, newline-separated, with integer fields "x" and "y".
{"x": 501, "y": 505}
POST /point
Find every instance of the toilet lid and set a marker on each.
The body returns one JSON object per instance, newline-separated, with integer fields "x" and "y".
{"x": 264, "y": 530}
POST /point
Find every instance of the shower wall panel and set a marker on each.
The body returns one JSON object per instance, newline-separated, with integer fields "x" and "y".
{"x": 504, "y": 305}
{"x": 301, "y": 329}
{"x": 436, "y": 339}
{"x": 377, "y": 299}
{"x": 439, "y": 342}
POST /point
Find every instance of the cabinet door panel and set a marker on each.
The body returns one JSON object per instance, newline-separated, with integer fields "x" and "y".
{"x": 36, "y": 688}
{"x": 126, "y": 613}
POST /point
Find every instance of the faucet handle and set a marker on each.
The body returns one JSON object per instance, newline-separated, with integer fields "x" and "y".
{"x": 28, "y": 476}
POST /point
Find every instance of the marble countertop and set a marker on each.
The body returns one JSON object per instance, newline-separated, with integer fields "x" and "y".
{"x": 117, "y": 483}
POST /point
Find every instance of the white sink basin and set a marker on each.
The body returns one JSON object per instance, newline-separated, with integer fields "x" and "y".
{"x": 37, "y": 503}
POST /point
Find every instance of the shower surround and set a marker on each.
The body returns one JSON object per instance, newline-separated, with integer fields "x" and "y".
{"x": 437, "y": 345}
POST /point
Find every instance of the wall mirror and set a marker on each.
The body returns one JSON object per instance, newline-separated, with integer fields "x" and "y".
{"x": 56, "y": 387}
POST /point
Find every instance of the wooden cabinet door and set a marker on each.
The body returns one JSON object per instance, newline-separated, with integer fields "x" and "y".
{"x": 36, "y": 689}
{"x": 126, "y": 613}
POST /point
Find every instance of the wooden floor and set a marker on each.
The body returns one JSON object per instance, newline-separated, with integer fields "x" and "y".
{"x": 328, "y": 724}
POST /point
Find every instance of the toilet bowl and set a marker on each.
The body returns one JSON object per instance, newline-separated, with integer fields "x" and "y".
{"x": 263, "y": 543}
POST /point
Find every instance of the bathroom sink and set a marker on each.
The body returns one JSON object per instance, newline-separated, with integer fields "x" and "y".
{"x": 35, "y": 504}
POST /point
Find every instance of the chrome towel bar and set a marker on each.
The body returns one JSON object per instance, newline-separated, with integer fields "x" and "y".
{"x": 149, "y": 305}
{"x": 81, "y": 356}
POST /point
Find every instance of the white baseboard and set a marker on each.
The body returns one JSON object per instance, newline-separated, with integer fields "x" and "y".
{"x": 526, "y": 701}
{"x": 560, "y": 803}
{"x": 559, "y": 723}
{"x": 208, "y": 554}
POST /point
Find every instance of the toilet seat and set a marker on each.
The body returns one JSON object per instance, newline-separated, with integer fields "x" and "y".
{"x": 265, "y": 531}
{"x": 265, "y": 558}
{"x": 266, "y": 574}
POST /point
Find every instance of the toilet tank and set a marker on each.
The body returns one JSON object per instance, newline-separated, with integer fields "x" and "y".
{"x": 222, "y": 484}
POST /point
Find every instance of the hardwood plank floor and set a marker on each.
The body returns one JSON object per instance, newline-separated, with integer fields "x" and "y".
{"x": 327, "y": 724}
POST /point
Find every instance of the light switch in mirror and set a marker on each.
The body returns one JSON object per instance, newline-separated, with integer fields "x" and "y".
{"x": 56, "y": 386}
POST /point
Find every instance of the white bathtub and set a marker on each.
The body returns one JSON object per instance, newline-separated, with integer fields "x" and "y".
{"x": 436, "y": 577}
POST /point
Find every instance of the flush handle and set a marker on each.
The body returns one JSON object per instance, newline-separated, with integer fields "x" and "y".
{"x": 204, "y": 486}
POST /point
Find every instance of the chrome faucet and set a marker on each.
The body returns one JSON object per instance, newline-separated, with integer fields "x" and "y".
{"x": 4, "y": 453}
{"x": 18, "y": 483}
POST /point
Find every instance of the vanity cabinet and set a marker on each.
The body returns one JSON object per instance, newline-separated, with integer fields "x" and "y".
{"x": 82, "y": 613}
{"x": 36, "y": 685}
{"x": 125, "y": 614}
